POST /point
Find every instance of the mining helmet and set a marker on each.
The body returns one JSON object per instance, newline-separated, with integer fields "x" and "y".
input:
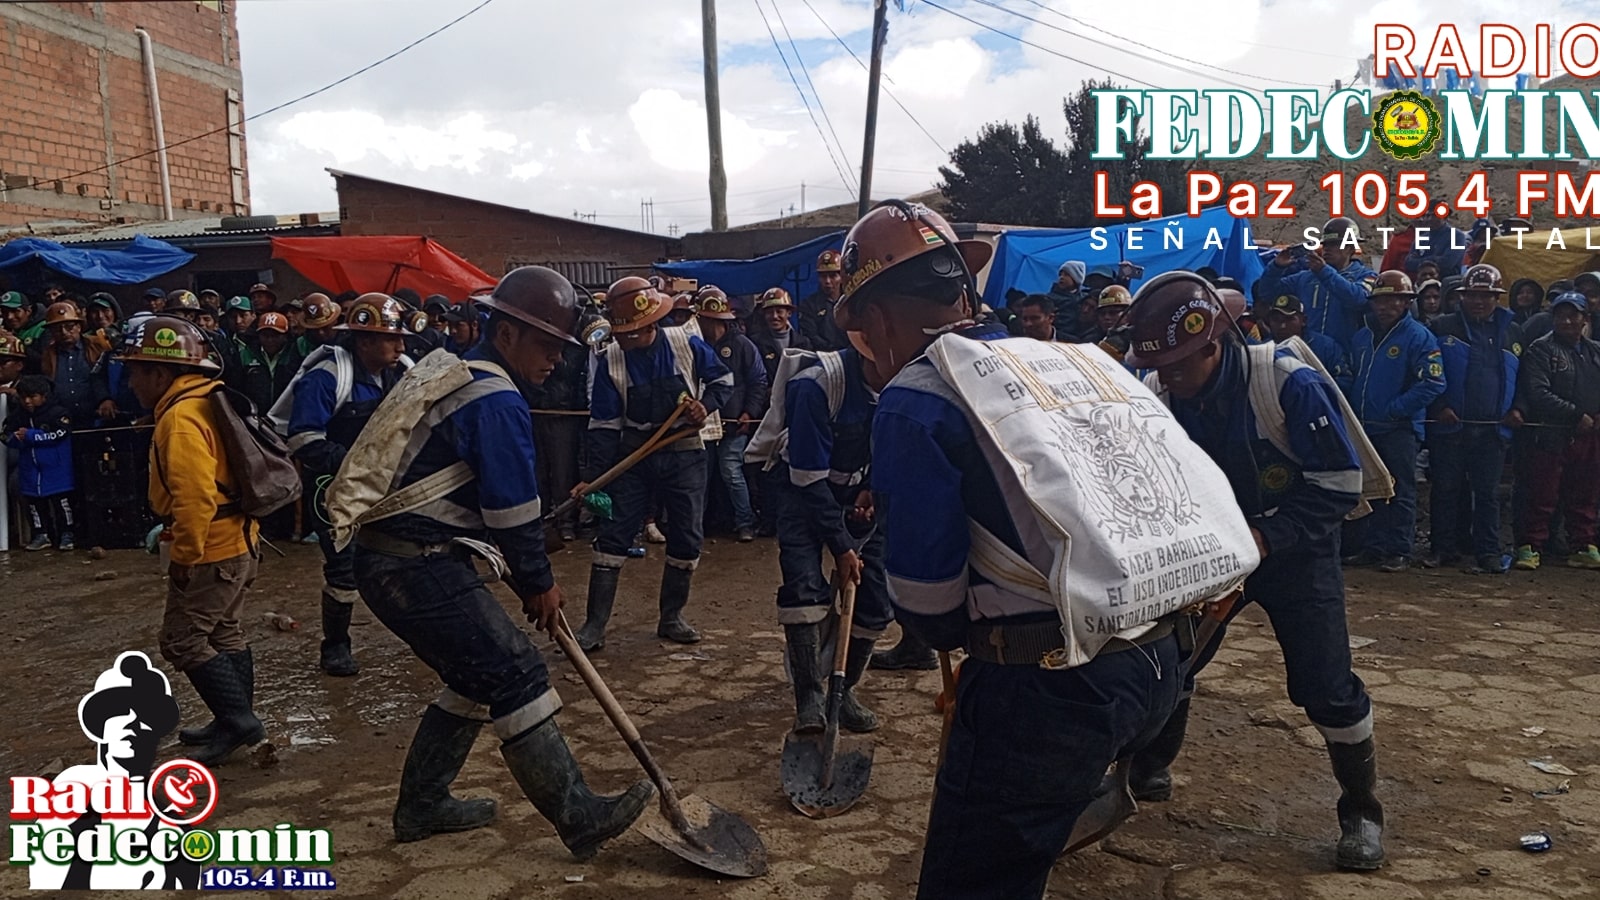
{"x": 683, "y": 300}
{"x": 11, "y": 346}
{"x": 829, "y": 261}
{"x": 1287, "y": 305}
{"x": 775, "y": 298}
{"x": 889, "y": 238}
{"x": 172, "y": 341}
{"x": 538, "y": 296}
{"x": 1337, "y": 227}
{"x": 712, "y": 303}
{"x": 375, "y": 313}
{"x": 263, "y": 289}
{"x": 1174, "y": 316}
{"x": 1393, "y": 283}
{"x": 1482, "y": 278}
{"x": 320, "y": 310}
{"x": 632, "y": 303}
{"x": 1115, "y": 295}
{"x": 183, "y": 301}
{"x": 62, "y": 313}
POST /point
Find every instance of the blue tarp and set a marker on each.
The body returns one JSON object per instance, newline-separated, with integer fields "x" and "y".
{"x": 143, "y": 259}
{"x": 1029, "y": 260}
{"x": 793, "y": 269}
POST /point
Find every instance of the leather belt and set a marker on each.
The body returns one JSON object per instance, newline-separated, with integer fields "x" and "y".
{"x": 1027, "y": 645}
{"x": 379, "y": 542}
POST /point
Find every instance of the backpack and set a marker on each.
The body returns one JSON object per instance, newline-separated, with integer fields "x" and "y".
{"x": 771, "y": 439}
{"x": 267, "y": 477}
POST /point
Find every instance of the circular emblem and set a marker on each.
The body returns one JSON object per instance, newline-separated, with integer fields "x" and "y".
{"x": 1275, "y": 478}
{"x": 1394, "y": 352}
{"x": 641, "y": 302}
{"x": 1516, "y": 349}
{"x": 1194, "y": 323}
{"x": 166, "y": 337}
{"x": 182, "y": 792}
{"x": 727, "y": 351}
{"x": 363, "y": 317}
{"x": 199, "y": 846}
{"x": 1406, "y": 125}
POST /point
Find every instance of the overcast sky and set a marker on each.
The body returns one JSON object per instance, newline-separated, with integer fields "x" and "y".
{"x": 593, "y": 106}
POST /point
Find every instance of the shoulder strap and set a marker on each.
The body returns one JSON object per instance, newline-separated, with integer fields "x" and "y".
{"x": 344, "y": 378}
{"x": 832, "y": 380}
{"x": 1266, "y": 385}
{"x": 617, "y": 368}
{"x": 683, "y": 358}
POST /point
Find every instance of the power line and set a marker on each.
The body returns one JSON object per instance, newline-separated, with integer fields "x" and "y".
{"x": 886, "y": 77}
{"x": 807, "y": 72}
{"x": 1129, "y": 40}
{"x": 268, "y": 112}
{"x": 838, "y": 170}
{"x": 1040, "y": 47}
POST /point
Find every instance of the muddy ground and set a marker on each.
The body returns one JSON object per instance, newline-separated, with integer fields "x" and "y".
{"x": 1463, "y": 670}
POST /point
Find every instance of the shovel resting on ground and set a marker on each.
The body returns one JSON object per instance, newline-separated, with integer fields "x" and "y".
{"x": 820, "y": 781}
{"x": 688, "y": 826}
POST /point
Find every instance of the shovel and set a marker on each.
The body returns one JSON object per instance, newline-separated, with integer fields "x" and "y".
{"x": 663, "y": 436}
{"x": 689, "y": 827}
{"x": 820, "y": 781}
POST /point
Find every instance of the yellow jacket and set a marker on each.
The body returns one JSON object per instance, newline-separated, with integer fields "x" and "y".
{"x": 188, "y": 468}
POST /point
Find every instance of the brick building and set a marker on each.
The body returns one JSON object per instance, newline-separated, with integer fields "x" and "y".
{"x": 498, "y": 238}
{"x": 72, "y": 76}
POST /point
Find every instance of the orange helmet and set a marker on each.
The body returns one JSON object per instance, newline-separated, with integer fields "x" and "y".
{"x": 891, "y": 235}
{"x": 172, "y": 341}
{"x": 375, "y": 313}
{"x": 1174, "y": 316}
{"x": 273, "y": 321}
{"x": 633, "y": 303}
{"x": 320, "y": 310}
{"x": 61, "y": 313}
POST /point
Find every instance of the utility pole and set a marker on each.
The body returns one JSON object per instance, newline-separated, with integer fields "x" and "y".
{"x": 880, "y": 32}
{"x": 719, "y": 177}
{"x": 802, "y": 196}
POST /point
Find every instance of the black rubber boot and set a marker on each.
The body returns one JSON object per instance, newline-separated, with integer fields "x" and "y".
{"x": 1150, "y": 774}
{"x": 336, "y": 657}
{"x": 602, "y": 596}
{"x": 438, "y": 751}
{"x": 543, "y": 765}
{"x": 226, "y": 693}
{"x": 804, "y": 644}
{"x": 674, "y": 597}
{"x": 910, "y": 653}
{"x": 852, "y": 715}
{"x": 1360, "y": 814}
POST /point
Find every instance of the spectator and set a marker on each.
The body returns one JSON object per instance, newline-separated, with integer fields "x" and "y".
{"x": 1397, "y": 372}
{"x": 1450, "y": 295}
{"x": 19, "y": 318}
{"x": 1527, "y": 299}
{"x": 1558, "y": 387}
{"x": 185, "y": 305}
{"x": 816, "y": 311}
{"x": 1334, "y": 286}
{"x": 559, "y": 438}
{"x": 1473, "y": 419}
{"x": 1286, "y": 318}
{"x": 271, "y": 363}
{"x": 72, "y": 362}
{"x": 436, "y": 306}
{"x": 461, "y": 330}
{"x": 1112, "y": 309}
{"x": 320, "y": 316}
{"x": 155, "y": 300}
{"x": 238, "y": 318}
{"x": 1037, "y": 315}
{"x": 1588, "y": 284}
{"x": 295, "y": 310}
{"x": 13, "y": 360}
{"x": 775, "y": 336}
{"x": 1066, "y": 296}
{"x": 263, "y": 299}
{"x": 1539, "y": 324}
{"x": 1428, "y": 270}
{"x": 743, "y": 408}
{"x": 41, "y": 430}
{"x": 211, "y": 300}
{"x": 1428, "y": 302}
{"x": 104, "y": 315}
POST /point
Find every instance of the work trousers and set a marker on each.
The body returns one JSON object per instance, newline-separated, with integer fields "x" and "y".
{"x": 678, "y": 479}
{"x": 1467, "y": 464}
{"x": 1567, "y": 479}
{"x": 1028, "y": 749}
{"x": 202, "y": 620}
{"x": 440, "y": 607}
{"x": 805, "y": 596}
{"x": 1391, "y": 528}
{"x": 556, "y": 441}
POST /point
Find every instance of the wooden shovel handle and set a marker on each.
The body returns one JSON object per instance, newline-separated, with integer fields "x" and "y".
{"x": 847, "y": 611}
{"x": 662, "y": 437}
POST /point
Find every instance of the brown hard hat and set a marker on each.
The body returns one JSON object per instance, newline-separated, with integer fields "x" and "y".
{"x": 682, "y": 300}
{"x": 1174, "y": 316}
{"x": 895, "y": 232}
{"x": 537, "y": 296}
{"x": 263, "y": 289}
{"x": 712, "y": 303}
{"x": 1115, "y": 295}
{"x": 61, "y": 313}
{"x": 1393, "y": 283}
{"x": 775, "y": 298}
{"x": 172, "y": 341}
{"x": 375, "y": 313}
{"x": 320, "y": 310}
{"x": 633, "y": 303}
{"x": 1483, "y": 278}
{"x": 183, "y": 300}
{"x": 829, "y": 261}
{"x": 11, "y": 346}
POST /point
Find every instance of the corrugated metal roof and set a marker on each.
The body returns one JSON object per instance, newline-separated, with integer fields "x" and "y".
{"x": 203, "y": 226}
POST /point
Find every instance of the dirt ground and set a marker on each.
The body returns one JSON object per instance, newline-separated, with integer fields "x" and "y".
{"x": 1463, "y": 670}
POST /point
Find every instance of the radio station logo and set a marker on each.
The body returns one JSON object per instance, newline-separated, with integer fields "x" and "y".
{"x": 1406, "y": 125}
{"x": 123, "y": 821}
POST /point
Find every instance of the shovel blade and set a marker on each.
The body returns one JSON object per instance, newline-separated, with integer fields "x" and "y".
{"x": 1103, "y": 814}
{"x": 803, "y": 774}
{"x": 719, "y": 841}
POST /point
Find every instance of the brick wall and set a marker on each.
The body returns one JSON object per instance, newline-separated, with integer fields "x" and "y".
{"x": 72, "y": 76}
{"x": 487, "y": 234}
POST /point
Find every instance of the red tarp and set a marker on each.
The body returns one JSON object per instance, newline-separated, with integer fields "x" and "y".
{"x": 382, "y": 263}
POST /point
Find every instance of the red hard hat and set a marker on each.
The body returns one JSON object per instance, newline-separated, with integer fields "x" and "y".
{"x": 1174, "y": 316}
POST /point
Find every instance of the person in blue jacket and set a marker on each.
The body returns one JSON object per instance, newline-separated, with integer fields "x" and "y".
{"x": 1286, "y": 318}
{"x": 1472, "y": 420}
{"x": 1295, "y": 492}
{"x": 1028, "y": 745}
{"x": 1398, "y": 372}
{"x": 41, "y": 430}
{"x": 639, "y": 380}
{"x": 1334, "y": 285}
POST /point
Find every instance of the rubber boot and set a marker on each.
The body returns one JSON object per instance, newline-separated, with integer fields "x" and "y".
{"x": 910, "y": 653}
{"x": 226, "y": 693}
{"x": 438, "y": 751}
{"x": 1150, "y": 773}
{"x": 852, "y": 715}
{"x": 244, "y": 661}
{"x": 543, "y": 765}
{"x": 1360, "y": 814}
{"x": 602, "y": 596}
{"x": 804, "y": 644}
{"x": 674, "y": 597}
{"x": 336, "y": 657}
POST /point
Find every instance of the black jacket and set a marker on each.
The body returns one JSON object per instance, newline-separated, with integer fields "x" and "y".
{"x": 749, "y": 395}
{"x": 772, "y": 352}
{"x": 1558, "y": 385}
{"x": 567, "y": 387}
{"x": 817, "y": 324}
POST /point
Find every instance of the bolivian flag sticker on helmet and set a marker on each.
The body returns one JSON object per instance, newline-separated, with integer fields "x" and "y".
{"x": 929, "y": 236}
